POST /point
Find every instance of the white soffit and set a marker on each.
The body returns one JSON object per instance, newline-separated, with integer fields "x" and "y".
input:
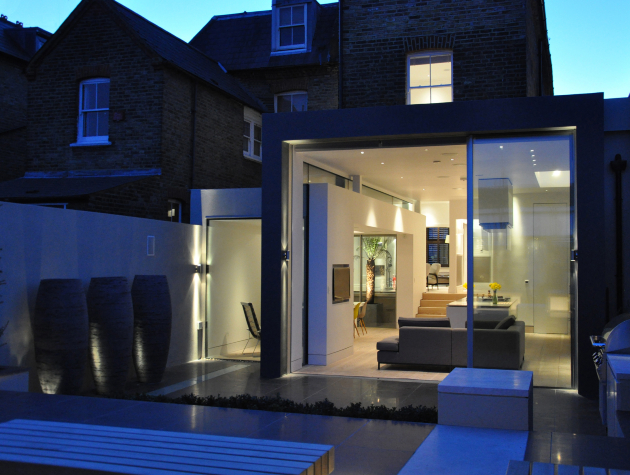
{"x": 554, "y": 179}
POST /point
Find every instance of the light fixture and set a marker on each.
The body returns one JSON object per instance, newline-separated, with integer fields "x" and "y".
{"x": 534, "y": 164}
{"x": 426, "y": 149}
{"x": 531, "y": 150}
{"x": 448, "y": 239}
{"x": 500, "y": 146}
{"x": 382, "y": 163}
{"x": 286, "y": 255}
{"x": 556, "y": 173}
{"x": 533, "y": 160}
{"x": 362, "y": 153}
{"x": 400, "y": 177}
{"x": 533, "y": 155}
{"x": 452, "y": 159}
{"x": 197, "y": 268}
{"x": 422, "y": 189}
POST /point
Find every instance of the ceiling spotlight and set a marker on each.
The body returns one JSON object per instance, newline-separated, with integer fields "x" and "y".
{"x": 452, "y": 159}
{"x": 533, "y": 155}
{"x": 422, "y": 189}
{"x": 426, "y": 149}
{"x": 400, "y": 177}
{"x": 362, "y": 153}
{"x": 534, "y": 160}
{"x": 531, "y": 150}
{"x": 382, "y": 163}
{"x": 534, "y": 164}
{"x": 556, "y": 173}
{"x": 500, "y": 146}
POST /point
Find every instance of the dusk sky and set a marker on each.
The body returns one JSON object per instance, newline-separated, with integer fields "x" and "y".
{"x": 590, "y": 41}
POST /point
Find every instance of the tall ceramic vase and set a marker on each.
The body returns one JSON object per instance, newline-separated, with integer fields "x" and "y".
{"x": 60, "y": 334}
{"x": 152, "y": 326}
{"x": 110, "y": 312}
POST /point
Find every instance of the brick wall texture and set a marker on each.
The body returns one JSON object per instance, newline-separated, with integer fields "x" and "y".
{"x": 155, "y": 133}
{"x": 487, "y": 37}
{"x": 13, "y": 90}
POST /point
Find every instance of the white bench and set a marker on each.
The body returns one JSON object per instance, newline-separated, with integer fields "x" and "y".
{"x": 490, "y": 398}
{"x": 38, "y": 447}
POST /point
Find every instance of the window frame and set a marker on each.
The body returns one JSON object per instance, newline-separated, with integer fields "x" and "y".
{"x": 439, "y": 242}
{"x": 95, "y": 139}
{"x": 254, "y": 119}
{"x": 289, "y": 93}
{"x": 430, "y": 87}
{"x": 276, "y": 29}
{"x": 175, "y": 211}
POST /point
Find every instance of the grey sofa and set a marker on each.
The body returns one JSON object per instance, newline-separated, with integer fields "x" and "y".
{"x": 431, "y": 341}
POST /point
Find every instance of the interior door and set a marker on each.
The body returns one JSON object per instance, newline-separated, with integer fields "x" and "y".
{"x": 551, "y": 260}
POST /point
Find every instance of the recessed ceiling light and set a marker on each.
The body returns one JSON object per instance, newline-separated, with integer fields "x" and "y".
{"x": 534, "y": 160}
{"x": 500, "y": 146}
{"x": 422, "y": 189}
{"x": 534, "y": 164}
{"x": 533, "y": 155}
{"x": 362, "y": 153}
{"x": 531, "y": 150}
{"x": 426, "y": 149}
{"x": 400, "y": 177}
{"x": 452, "y": 159}
{"x": 556, "y": 173}
{"x": 382, "y": 163}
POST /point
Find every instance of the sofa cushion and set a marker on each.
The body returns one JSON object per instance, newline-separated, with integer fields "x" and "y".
{"x": 388, "y": 344}
{"x": 424, "y": 322}
{"x": 506, "y": 323}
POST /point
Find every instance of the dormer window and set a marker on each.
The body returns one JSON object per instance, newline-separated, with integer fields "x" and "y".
{"x": 291, "y": 27}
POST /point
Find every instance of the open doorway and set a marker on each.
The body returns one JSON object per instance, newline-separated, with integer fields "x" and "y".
{"x": 234, "y": 273}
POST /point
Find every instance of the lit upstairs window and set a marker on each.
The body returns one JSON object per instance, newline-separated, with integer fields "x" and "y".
{"x": 291, "y": 28}
{"x": 93, "y": 126}
{"x": 430, "y": 78}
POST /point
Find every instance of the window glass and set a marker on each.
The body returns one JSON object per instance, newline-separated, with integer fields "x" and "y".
{"x": 441, "y": 94}
{"x": 430, "y": 78}
{"x": 257, "y": 133}
{"x": 420, "y": 71}
{"x": 285, "y": 16}
{"x": 89, "y": 96}
{"x": 286, "y": 37}
{"x": 291, "y": 26}
{"x": 298, "y": 35}
{"x": 102, "y": 95}
{"x": 299, "y": 102}
{"x": 89, "y": 124}
{"x": 246, "y": 127}
{"x": 102, "y": 123}
{"x": 298, "y": 15}
{"x": 440, "y": 70}
{"x": 93, "y": 110}
{"x": 284, "y": 103}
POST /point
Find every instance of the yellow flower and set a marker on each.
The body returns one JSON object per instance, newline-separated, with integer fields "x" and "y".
{"x": 466, "y": 285}
{"x": 495, "y": 286}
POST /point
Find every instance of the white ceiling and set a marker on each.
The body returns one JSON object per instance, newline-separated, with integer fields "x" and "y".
{"x": 438, "y": 173}
{"x": 408, "y": 172}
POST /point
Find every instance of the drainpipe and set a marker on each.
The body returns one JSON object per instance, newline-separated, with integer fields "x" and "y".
{"x": 618, "y": 166}
{"x": 340, "y": 75}
{"x": 193, "y": 134}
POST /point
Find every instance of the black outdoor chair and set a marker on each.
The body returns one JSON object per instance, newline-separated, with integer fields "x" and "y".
{"x": 252, "y": 324}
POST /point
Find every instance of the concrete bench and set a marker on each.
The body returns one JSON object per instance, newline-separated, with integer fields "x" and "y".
{"x": 489, "y": 398}
{"x": 38, "y": 447}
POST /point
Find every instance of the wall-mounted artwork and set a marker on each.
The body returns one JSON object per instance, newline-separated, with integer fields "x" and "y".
{"x": 341, "y": 283}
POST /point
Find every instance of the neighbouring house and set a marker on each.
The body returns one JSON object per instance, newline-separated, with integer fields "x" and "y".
{"x": 125, "y": 118}
{"x": 17, "y": 46}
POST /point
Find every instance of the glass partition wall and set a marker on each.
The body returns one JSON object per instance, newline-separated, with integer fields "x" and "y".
{"x": 375, "y": 278}
{"x": 523, "y": 209}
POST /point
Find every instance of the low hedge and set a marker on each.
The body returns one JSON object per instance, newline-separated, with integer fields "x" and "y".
{"x": 321, "y": 408}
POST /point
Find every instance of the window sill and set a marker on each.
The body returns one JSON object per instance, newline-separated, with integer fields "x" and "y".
{"x": 253, "y": 159}
{"x": 281, "y": 52}
{"x": 90, "y": 144}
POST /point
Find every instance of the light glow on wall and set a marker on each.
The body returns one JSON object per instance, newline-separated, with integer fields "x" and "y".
{"x": 554, "y": 179}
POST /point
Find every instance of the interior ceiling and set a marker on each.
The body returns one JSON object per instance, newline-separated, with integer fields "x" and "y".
{"x": 438, "y": 173}
{"x": 418, "y": 173}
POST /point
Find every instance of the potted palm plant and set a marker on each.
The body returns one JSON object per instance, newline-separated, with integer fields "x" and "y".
{"x": 373, "y": 248}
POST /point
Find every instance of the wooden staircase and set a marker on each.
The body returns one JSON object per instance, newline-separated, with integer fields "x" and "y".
{"x": 434, "y": 304}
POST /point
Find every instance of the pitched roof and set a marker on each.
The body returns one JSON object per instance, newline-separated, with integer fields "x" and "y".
{"x": 172, "y": 50}
{"x": 243, "y": 41}
{"x": 8, "y": 39}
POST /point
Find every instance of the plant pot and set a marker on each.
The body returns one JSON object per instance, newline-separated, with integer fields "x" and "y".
{"x": 13, "y": 378}
{"x": 110, "y": 313}
{"x": 60, "y": 334}
{"x": 151, "y": 327}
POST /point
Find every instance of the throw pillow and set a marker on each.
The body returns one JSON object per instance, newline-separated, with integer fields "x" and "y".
{"x": 506, "y": 323}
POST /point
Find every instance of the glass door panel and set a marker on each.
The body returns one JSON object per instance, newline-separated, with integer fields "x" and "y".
{"x": 522, "y": 208}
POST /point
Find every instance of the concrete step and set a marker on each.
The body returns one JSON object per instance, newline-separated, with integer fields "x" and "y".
{"x": 432, "y": 311}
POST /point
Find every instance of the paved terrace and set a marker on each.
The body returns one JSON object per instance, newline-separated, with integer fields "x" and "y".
{"x": 566, "y": 426}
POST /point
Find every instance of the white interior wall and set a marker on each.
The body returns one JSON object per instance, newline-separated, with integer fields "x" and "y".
{"x": 457, "y": 211}
{"x": 45, "y": 243}
{"x": 234, "y": 260}
{"x": 511, "y": 267}
{"x": 333, "y": 214}
{"x": 437, "y": 213}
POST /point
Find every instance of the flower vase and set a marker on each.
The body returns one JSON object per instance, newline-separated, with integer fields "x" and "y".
{"x": 494, "y": 298}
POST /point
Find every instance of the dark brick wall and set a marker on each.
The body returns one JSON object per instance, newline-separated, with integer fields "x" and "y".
{"x": 13, "y": 93}
{"x": 320, "y": 82}
{"x": 539, "y": 73}
{"x": 487, "y": 38}
{"x": 156, "y": 130}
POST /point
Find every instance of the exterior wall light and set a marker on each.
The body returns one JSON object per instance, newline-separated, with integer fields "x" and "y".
{"x": 286, "y": 255}
{"x": 197, "y": 268}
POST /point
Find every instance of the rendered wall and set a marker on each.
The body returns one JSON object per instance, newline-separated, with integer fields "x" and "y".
{"x": 233, "y": 277}
{"x": 437, "y": 213}
{"x": 333, "y": 214}
{"x": 44, "y": 243}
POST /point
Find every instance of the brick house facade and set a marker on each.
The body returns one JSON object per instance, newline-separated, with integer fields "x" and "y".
{"x": 175, "y": 119}
{"x": 17, "y": 46}
{"x": 500, "y": 48}
{"x": 245, "y": 45}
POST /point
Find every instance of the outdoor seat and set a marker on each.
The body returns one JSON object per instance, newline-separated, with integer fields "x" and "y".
{"x": 252, "y": 324}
